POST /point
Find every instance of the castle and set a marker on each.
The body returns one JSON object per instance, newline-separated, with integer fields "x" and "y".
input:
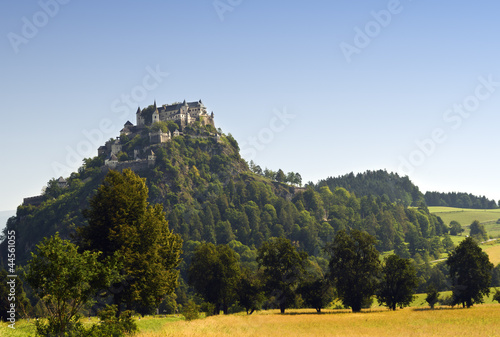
{"x": 181, "y": 113}
{"x": 142, "y": 157}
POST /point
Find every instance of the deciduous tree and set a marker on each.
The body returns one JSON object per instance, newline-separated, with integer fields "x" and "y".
{"x": 398, "y": 282}
{"x": 214, "y": 272}
{"x": 354, "y": 267}
{"x": 455, "y": 228}
{"x": 317, "y": 293}
{"x": 478, "y": 231}
{"x": 283, "y": 268}
{"x": 470, "y": 273}
{"x": 65, "y": 280}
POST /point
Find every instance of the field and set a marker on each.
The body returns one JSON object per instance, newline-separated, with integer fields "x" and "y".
{"x": 465, "y": 217}
{"x": 481, "y": 320}
{"x": 488, "y": 217}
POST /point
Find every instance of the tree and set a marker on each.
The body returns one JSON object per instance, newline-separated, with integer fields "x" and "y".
{"x": 447, "y": 243}
{"x": 280, "y": 176}
{"x": 455, "y": 228}
{"x": 478, "y": 231}
{"x": 122, "y": 224}
{"x": 432, "y": 296}
{"x": 470, "y": 273}
{"x": 65, "y": 280}
{"x": 317, "y": 293}
{"x": 282, "y": 269}
{"x": 249, "y": 291}
{"x": 214, "y": 273}
{"x": 398, "y": 282}
{"x": 354, "y": 267}
{"x": 270, "y": 174}
{"x": 496, "y": 297}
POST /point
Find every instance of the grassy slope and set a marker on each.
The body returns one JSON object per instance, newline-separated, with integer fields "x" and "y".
{"x": 465, "y": 217}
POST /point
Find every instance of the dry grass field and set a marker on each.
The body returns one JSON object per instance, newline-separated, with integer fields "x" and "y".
{"x": 493, "y": 252}
{"x": 481, "y": 320}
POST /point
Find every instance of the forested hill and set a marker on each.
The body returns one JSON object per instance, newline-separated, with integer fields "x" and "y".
{"x": 209, "y": 194}
{"x": 378, "y": 183}
{"x": 461, "y": 200}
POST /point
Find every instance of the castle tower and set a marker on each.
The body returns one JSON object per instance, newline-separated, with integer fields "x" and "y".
{"x": 156, "y": 115}
{"x": 138, "y": 117}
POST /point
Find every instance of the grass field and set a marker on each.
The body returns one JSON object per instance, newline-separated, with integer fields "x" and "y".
{"x": 481, "y": 320}
{"x": 493, "y": 252}
{"x": 465, "y": 217}
{"x": 478, "y": 321}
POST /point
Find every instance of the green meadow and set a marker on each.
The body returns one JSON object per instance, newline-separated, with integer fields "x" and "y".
{"x": 488, "y": 217}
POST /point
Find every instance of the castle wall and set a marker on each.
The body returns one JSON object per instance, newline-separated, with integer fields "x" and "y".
{"x": 135, "y": 165}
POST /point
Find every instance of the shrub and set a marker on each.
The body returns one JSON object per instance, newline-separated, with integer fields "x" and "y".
{"x": 191, "y": 311}
{"x": 111, "y": 325}
{"x": 496, "y": 297}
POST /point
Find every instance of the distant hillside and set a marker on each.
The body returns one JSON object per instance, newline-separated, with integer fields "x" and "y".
{"x": 210, "y": 194}
{"x": 379, "y": 183}
{"x": 460, "y": 200}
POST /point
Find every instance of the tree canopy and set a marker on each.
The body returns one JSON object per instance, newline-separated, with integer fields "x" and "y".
{"x": 122, "y": 224}
{"x": 283, "y": 268}
{"x": 470, "y": 273}
{"x": 398, "y": 283}
{"x": 214, "y": 273}
{"x": 354, "y": 267}
{"x": 66, "y": 280}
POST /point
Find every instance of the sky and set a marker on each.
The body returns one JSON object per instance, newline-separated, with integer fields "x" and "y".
{"x": 322, "y": 88}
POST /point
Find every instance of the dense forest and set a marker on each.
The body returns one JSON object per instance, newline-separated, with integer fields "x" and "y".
{"x": 461, "y": 200}
{"x": 391, "y": 185}
{"x": 210, "y": 194}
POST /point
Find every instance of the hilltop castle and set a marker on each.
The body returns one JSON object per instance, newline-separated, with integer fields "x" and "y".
{"x": 118, "y": 154}
{"x": 181, "y": 113}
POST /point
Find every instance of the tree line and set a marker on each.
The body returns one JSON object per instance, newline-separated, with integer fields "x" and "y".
{"x": 287, "y": 278}
{"x": 390, "y": 185}
{"x": 460, "y": 200}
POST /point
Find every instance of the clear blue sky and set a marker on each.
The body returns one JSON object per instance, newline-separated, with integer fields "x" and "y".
{"x": 362, "y": 92}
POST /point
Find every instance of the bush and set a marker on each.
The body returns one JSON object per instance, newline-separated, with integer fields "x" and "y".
{"x": 110, "y": 325}
{"x": 208, "y": 308}
{"x": 496, "y": 297}
{"x": 191, "y": 311}
{"x": 447, "y": 300}
{"x": 432, "y": 296}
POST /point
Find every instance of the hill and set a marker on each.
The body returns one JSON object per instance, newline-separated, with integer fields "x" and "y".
{"x": 380, "y": 183}
{"x": 210, "y": 194}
